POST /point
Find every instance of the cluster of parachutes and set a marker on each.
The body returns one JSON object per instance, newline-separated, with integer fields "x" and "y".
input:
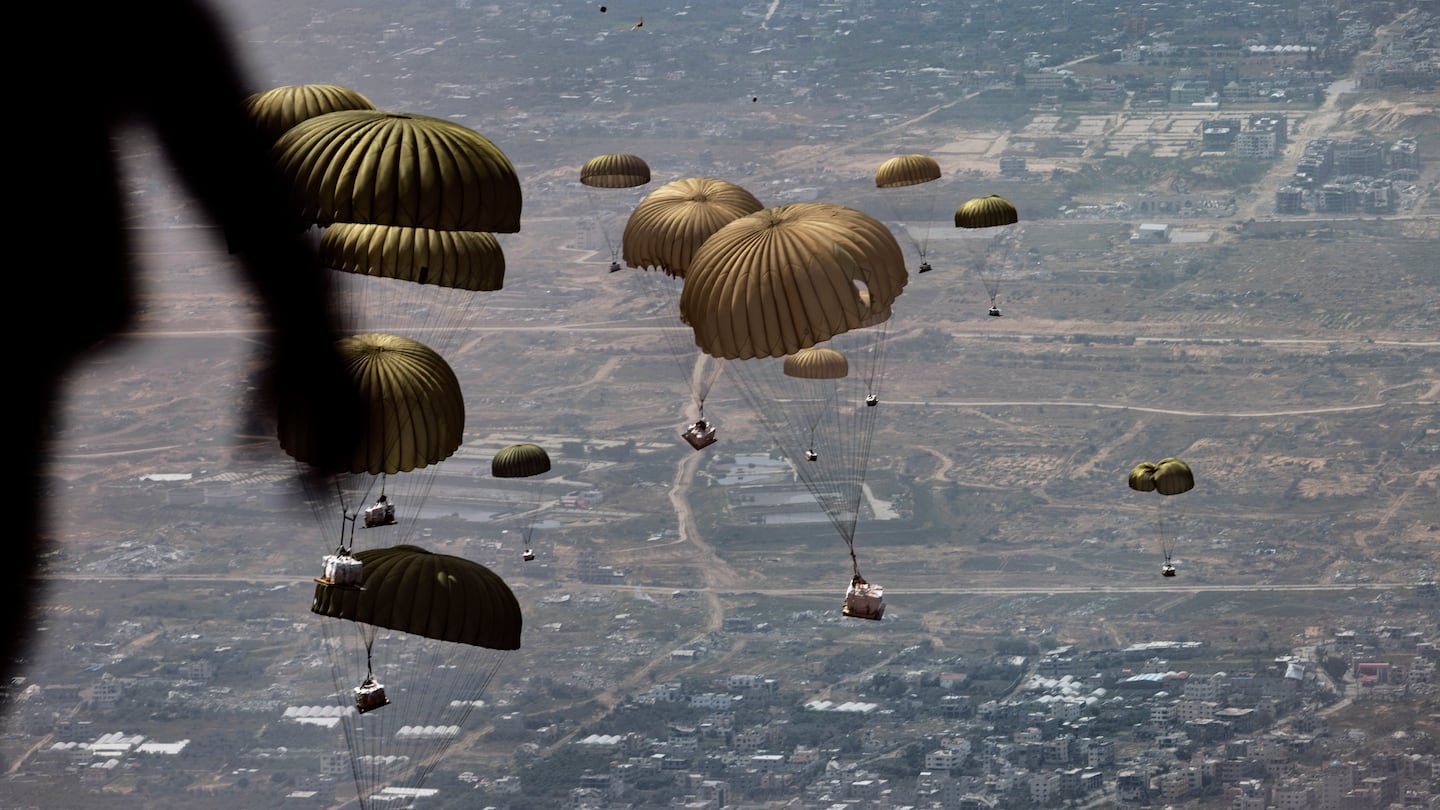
{"x": 409, "y": 206}
{"x": 794, "y": 300}
{"x": 992, "y": 211}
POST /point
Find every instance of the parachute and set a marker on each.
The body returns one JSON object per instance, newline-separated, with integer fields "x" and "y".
{"x": 661, "y": 237}
{"x": 762, "y": 294}
{"x": 992, "y": 211}
{"x": 413, "y": 420}
{"x": 412, "y": 652}
{"x": 524, "y": 460}
{"x": 786, "y": 278}
{"x": 904, "y": 171}
{"x": 276, "y": 110}
{"x": 612, "y": 171}
{"x": 673, "y": 221}
{"x": 1167, "y": 477}
{"x": 420, "y": 281}
{"x": 390, "y": 168}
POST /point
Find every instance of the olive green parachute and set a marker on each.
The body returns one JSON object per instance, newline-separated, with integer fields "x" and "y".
{"x": 786, "y": 278}
{"x": 389, "y": 168}
{"x": 615, "y": 171}
{"x": 986, "y": 212}
{"x": 906, "y": 170}
{"x": 911, "y": 170}
{"x": 465, "y": 260}
{"x": 817, "y": 363}
{"x": 1142, "y": 477}
{"x": 414, "y": 410}
{"x": 1168, "y": 476}
{"x": 520, "y": 461}
{"x": 439, "y": 596}
{"x": 993, "y": 211}
{"x": 432, "y": 631}
{"x": 1173, "y": 476}
{"x": 782, "y": 280}
{"x": 276, "y": 110}
{"x": 673, "y": 221}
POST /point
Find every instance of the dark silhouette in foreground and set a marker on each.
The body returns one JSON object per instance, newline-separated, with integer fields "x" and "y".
{"x": 168, "y": 66}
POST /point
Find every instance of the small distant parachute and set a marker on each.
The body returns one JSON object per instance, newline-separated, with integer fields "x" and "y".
{"x": 986, "y": 212}
{"x": 617, "y": 171}
{"x": 391, "y": 168}
{"x": 520, "y": 461}
{"x": 992, "y": 211}
{"x": 906, "y": 170}
{"x": 276, "y": 110}
{"x": 913, "y": 170}
{"x": 524, "y": 460}
{"x": 433, "y": 630}
{"x": 817, "y": 363}
{"x": 1167, "y": 477}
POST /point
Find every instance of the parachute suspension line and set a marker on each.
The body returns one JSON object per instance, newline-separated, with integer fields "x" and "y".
{"x": 923, "y": 245}
{"x": 1166, "y": 523}
{"x": 364, "y": 769}
{"x": 600, "y": 222}
{"x": 842, "y": 435}
{"x": 469, "y": 691}
{"x": 699, "y": 370}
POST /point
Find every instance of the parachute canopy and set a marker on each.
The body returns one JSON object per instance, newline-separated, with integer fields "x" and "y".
{"x": 906, "y": 170}
{"x": 817, "y": 363}
{"x": 1142, "y": 477}
{"x": 438, "y": 596}
{"x": 669, "y": 225}
{"x": 414, "y": 410}
{"x": 520, "y": 461}
{"x": 986, "y": 212}
{"x": 1169, "y": 476}
{"x": 276, "y": 110}
{"x": 465, "y": 260}
{"x": 1173, "y": 476}
{"x": 615, "y": 171}
{"x": 786, "y": 278}
{"x": 389, "y": 168}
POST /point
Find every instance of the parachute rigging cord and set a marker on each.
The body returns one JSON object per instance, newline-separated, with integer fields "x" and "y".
{"x": 610, "y": 245}
{"x": 699, "y": 370}
{"x": 1168, "y": 478}
{"x": 923, "y": 245}
{"x": 800, "y": 415}
{"x": 351, "y": 492}
{"x": 436, "y": 628}
{"x": 998, "y": 256}
{"x": 436, "y": 706}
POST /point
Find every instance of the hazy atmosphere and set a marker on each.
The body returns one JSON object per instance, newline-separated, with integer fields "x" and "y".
{"x": 1227, "y": 224}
